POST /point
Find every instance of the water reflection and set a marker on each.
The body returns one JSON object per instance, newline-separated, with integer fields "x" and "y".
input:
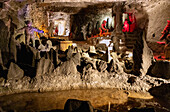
{"x": 99, "y": 98}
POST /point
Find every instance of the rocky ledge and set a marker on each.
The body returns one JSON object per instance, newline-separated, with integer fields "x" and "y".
{"x": 49, "y": 71}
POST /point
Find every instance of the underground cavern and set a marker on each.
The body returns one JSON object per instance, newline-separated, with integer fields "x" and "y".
{"x": 85, "y": 55}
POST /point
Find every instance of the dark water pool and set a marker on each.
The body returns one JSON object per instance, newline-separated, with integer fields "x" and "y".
{"x": 107, "y": 100}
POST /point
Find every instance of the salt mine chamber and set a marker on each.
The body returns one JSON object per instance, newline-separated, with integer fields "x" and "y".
{"x": 84, "y": 55}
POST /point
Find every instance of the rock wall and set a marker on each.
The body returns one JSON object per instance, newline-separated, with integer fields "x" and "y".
{"x": 147, "y": 57}
{"x": 161, "y": 94}
{"x": 142, "y": 56}
{"x": 76, "y": 72}
{"x": 158, "y": 15}
{"x": 37, "y": 15}
{"x": 160, "y": 69}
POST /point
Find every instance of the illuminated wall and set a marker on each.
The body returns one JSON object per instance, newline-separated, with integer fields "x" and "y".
{"x": 60, "y": 20}
{"x": 37, "y": 15}
{"x": 89, "y": 18}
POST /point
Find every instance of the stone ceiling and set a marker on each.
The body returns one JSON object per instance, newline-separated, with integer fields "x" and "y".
{"x": 74, "y": 6}
{"x": 71, "y": 6}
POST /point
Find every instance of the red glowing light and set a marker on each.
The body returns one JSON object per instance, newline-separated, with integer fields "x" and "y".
{"x": 130, "y": 23}
{"x": 160, "y": 42}
{"x": 165, "y": 32}
{"x": 126, "y": 26}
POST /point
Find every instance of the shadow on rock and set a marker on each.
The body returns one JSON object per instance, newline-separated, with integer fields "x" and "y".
{"x": 162, "y": 94}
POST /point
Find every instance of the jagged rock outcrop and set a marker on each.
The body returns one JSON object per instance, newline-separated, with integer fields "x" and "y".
{"x": 53, "y": 56}
{"x": 70, "y": 66}
{"x": 87, "y": 67}
{"x": 28, "y": 70}
{"x": 160, "y": 69}
{"x": 147, "y": 58}
{"x": 131, "y": 80}
{"x": 112, "y": 66}
{"x": 27, "y": 55}
{"x": 1, "y": 62}
{"x": 4, "y": 37}
{"x": 4, "y": 42}
{"x": 86, "y": 72}
{"x": 15, "y": 72}
{"x": 7, "y": 42}
{"x": 35, "y": 57}
{"x": 76, "y": 59}
{"x": 69, "y": 53}
{"x": 137, "y": 56}
{"x": 101, "y": 66}
{"x": 45, "y": 66}
{"x": 90, "y": 61}
{"x": 19, "y": 85}
{"x": 2, "y": 82}
{"x": 50, "y": 75}
{"x": 142, "y": 56}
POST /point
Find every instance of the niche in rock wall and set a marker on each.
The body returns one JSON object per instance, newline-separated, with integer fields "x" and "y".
{"x": 60, "y": 27}
{"x": 61, "y": 23}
